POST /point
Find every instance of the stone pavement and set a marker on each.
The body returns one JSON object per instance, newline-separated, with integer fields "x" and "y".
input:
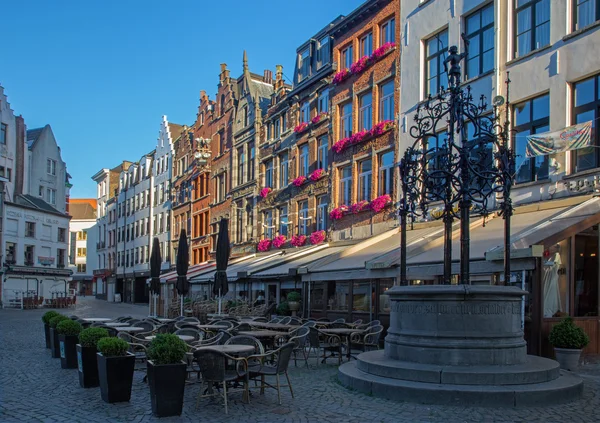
{"x": 33, "y": 387}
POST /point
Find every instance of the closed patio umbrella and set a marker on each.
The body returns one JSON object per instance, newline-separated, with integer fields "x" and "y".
{"x": 155, "y": 263}
{"x": 183, "y": 262}
{"x": 221, "y": 287}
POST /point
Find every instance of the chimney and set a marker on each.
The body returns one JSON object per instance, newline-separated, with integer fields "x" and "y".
{"x": 268, "y": 76}
{"x": 278, "y": 77}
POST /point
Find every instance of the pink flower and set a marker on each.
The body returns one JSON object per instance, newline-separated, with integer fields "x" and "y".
{"x": 360, "y": 66}
{"x": 265, "y": 191}
{"x": 359, "y": 137}
{"x": 301, "y": 127}
{"x": 382, "y": 127}
{"x": 316, "y": 175}
{"x": 340, "y": 145}
{"x": 278, "y": 241}
{"x": 340, "y": 76}
{"x": 380, "y": 203}
{"x": 298, "y": 240}
{"x": 318, "y": 118}
{"x": 264, "y": 245}
{"x": 299, "y": 181}
{"x": 338, "y": 212}
{"x": 358, "y": 207}
{"x": 381, "y": 51}
{"x": 317, "y": 237}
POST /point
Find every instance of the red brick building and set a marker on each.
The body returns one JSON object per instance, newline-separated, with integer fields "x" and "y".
{"x": 181, "y": 186}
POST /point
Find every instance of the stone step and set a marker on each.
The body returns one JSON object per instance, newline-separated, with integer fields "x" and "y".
{"x": 567, "y": 387}
{"x": 534, "y": 370}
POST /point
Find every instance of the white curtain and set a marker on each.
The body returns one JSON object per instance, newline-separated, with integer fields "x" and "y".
{"x": 551, "y": 291}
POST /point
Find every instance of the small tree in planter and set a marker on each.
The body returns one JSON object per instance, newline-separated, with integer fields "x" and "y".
{"x": 568, "y": 340}
{"x": 68, "y": 333}
{"x": 166, "y": 374}
{"x": 46, "y": 319}
{"x": 86, "y": 356}
{"x": 54, "y": 342}
{"x": 115, "y": 369}
{"x": 293, "y": 299}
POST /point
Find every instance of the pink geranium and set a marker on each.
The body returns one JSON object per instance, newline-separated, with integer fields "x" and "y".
{"x": 359, "y": 137}
{"x": 338, "y": 212}
{"x": 265, "y": 191}
{"x": 360, "y": 66}
{"x": 301, "y": 127}
{"x": 298, "y": 240}
{"x": 358, "y": 207}
{"x": 382, "y": 127}
{"x": 317, "y": 237}
{"x": 318, "y": 118}
{"x": 299, "y": 181}
{"x": 278, "y": 241}
{"x": 340, "y": 145}
{"x": 381, "y": 51}
{"x": 316, "y": 175}
{"x": 340, "y": 76}
{"x": 264, "y": 245}
{"x": 380, "y": 203}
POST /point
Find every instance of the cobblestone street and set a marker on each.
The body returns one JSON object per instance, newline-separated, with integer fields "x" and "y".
{"x": 33, "y": 387}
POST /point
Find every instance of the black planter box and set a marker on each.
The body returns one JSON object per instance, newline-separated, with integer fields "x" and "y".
{"x": 47, "y": 334}
{"x": 167, "y": 383}
{"x": 88, "y": 366}
{"x": 54, "y": 343}
{"x": 116, "y": 376}
{"x": 68, "y": 351}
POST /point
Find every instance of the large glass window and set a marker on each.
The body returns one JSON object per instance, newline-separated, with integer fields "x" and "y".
{"x": 303, "y": 220}
{"x": 323, "y": 102}
{"x": 386, "y": 173}
{"x": 269, "y": 173}
{"x": 346, "y": 120}
{"x": 435, "y": 154}
{"x": 305, "y": 112}
{"x": 482, "y": 156}
{"x": 585, "y": 278}
{"x": 384, "y": 298}
{"x": 323, "y": 54}
{"x": 304, "y": 167}
{"x": 365, "y": 169}
{"x": 480, "y": 33}
{"x": 363, "y": 296}
{"x": 304, "y": 64}
{"x": 366, "y": 45}
{"x": 345, "y": 185}
{"x": 436, "y": 51}
{"x": 587, "y": 108}
{"x": 586, "y": 12}
{"x": 532, "y": 25}
{"x": 322, "y": 162}
{"x": 365, "y": 121}
{"x": 338, "y": 295}
{"x": 386, "y": 101}
{"x": 530, "y": 117}
{"x": 3, "y": 130}
{"x": 240, "y": 167}
{"x": 388, "y": 32}
{"x": 322, "y": 213}
{"x": 283, "y": 170}
{"x": 251, "y": 161}
{"x": 346, "y": 57}
{"x": 283, "y": 221}
{"x": 317, "y": 293}
{"x": 277, "y": 127}
{"x": 268, "y": 233}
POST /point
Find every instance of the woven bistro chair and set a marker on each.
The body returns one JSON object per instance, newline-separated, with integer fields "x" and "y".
{"x": 318, "y": 341}
{"x": 274, "y": 363}
{"x": 368, "y": 340}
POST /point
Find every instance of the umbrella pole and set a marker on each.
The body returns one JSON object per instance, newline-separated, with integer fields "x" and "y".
{"x": 182, "y": 305}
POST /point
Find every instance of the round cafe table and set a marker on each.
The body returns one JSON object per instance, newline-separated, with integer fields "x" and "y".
{"x": 97, "y": 319}
{"x": 229, "y": 349}
{"x": 186, "y": 338}
{"x": 343, "y": 332}
{"x": 116, "y": 324}
{"x": 211, "y": 327}
{"x": 130, "y": 329}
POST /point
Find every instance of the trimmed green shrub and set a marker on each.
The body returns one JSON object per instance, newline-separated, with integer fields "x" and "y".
{"x": 49, "y": 315}
{"x": 89, "y": 337}
{"x": 68, "y": 327}
{"x": 294, "y": 296}
{"x": 167, "y": 348}
{"x": 56, "y": 320}
{"x": 112, "y": 347}
{"x": 283, "y": 309}
{"x": 567, "y": 335}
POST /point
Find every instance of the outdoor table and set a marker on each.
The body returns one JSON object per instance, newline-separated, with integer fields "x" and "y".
{"x": 211, "y": 327}
{"x": 343, "y": 332}
{"x": 130, "y": 329}
{"x": 164, "y": 320}
{"x": 186, "y": 338}
{"x": 116, "y": 324}
{"x": 217, "y": 316}
{"x": 97, "y": 319}
{"x": 273, "y": 326}
{"x": 270, "y": 335}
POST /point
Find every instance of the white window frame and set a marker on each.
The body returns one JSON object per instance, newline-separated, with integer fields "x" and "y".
{"x": 284, "y": 221}
{"x": 365, "y": 113}
{"x": 322, "y": 213}
{"x": 304, "y": 166}
{"x": 322, "y": 159}
{"x": 269, "y": 173}
{"x": 386, "y": 172}
{"x": 305, "y": 112}
{"x": 283, "y": 170}
{"x": 324, "y": 50}
{"x": 303, "y": 217}
{"x": 345, "y": 120}
{"x": 51, "y": 167}
{"x": 345, "y": 186}
{"x": 365, "y": 181}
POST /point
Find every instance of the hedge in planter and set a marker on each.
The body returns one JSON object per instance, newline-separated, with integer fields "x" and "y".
{"x": 293, "y": 299}
{"x": 568, "y": 340}
{"x": 68, "y": 333}
{"x": 115, "y": 369}
{"x": 46, "y": 319}
{"x": 86, "y": 356}
{"x": 166, "y": 374}
{"x": 54, "y": 342}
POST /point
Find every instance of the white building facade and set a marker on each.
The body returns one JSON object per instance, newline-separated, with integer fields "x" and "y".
{"x": 83, "y": 213}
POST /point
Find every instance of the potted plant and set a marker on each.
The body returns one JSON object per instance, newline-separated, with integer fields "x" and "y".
{"x": 86, "y": 356}
{"x": 166, "y": 374}
{"x": 46, "y": 319}
{"x": 54, "y": 342}
{"x": 568, "y": 340}
{"x": 283, "y": 309}
{"x": 68, "y": 333}
{"x": 293, "y": 300}
{"x": 115, "y": 369}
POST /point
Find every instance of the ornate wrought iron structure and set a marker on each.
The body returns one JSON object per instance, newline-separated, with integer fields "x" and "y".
{"x": 459, "y": 165}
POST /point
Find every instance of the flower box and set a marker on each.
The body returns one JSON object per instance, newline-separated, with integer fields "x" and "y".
{"x": 318, "y": 118}
{"x": 317, "y": 237}
{"x": 363, "y": 63}
{"x": 316, "y": 175}
{"x": 301, "y": 127}
{"x": 279, "y": 241}
{"x": 298, "y": 240}
{"x": 358, "y": 207}
{"x": 338, "y": 212}
{"x": 380, "y": 203}
{"x": 362, "y": 136}
{"x": 265, "y": 191}
{"x": 299, "y": 181}
{"x": 264, "y": 245}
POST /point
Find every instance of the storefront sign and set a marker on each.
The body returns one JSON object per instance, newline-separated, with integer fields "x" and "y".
{"x": 571, "y": 138}
{"x": 45, "y": 261}
{"x": 243, "y": 249}
{"x": 243, "y": 192}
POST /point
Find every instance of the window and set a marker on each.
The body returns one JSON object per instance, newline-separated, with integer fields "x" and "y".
{"x": 220, "y": 187}
{"x": 338, "y": 295}
{"x": 268, "y": 228}
{"x": 51, "y": 167}
{"x": 386, "y": 101}
{"x": 6, "y": 173}
{"x": 304, "y": 64}
{"x": 585, "y": 273}
{"x": 240, "y": 167}
{"x": 323, "y": 101}
{"x": 586, "y": 12}
{"x": 587, "y": 107}
{"x": 29, "y": 253}
{"x": 251, "y": 161}
{"x": 386, "y": 173}
{"x": 347, "y": 58}
{"x": 346, "y": 120}
{"x": 239, "y": 220}
{"x": 530, "y": 117}
{"x": 246, "y": 115}
{"x": 481, "y": 154}
{"x": 222, "y": 146}
{"x": 283, "y": 221}
{"x": 322, "y": 213}
{"x": 388, "y": 32}
{"x": 322, "y": 152}
{"x": 269, "y": 173}
{"x": 366, "y": 45}
{"x": 11, "y": 252}
{"x": 480, "y": 33}
{"x": 303, "y": 165}
{"x": 3, "y": 131}
{"x": 277, "y": 127}
{"x": 323, "y": 54}
{"x": 81, "y": 252}
{"x": 283, "y": 170}
{"x": 532, "y": 25}
{"x": 62, "y": 234}
{"x": 345, "y": 185}
{"x": 81, "y": 268}
{"x": 437, "y": 49}
{"x": 305, "y": 112}
{"x": 30, "y": 229}
{"x": 283, "y": 122}
{"x": 51, "y": 196}
{"x": 303, "y": 218}
{"x": 365, "y": 113}
{"x": 364, "y": 180}
{"x": 435, "y": 147}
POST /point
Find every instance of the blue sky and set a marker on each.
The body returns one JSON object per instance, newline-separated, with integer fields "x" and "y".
{"x": 102, "y": 73}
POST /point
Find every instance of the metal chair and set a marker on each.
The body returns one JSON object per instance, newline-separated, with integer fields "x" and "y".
{"x": 318, "y": 340}
{"x": 365, "y": 341}
{"x": 373, "y": 323}
{"x": 225, "y": 335}
{"x": 229, "y": 324}
{"x": 294, "y": 321}
{"x": 340, "y": 320}
{"x": 274, "y": 320}
{"x": 215, "y": 340}
{"x": 357, "y": 322}
{"x": 147, "y": 326}
{"x": 243, "y": 327}
{"x": 281, "y": 360}
{"x": 299, "y": 340}
{"x": 260, "y": 319}
{"x": 198, "y": 335}
{"x": 286, "y": 320}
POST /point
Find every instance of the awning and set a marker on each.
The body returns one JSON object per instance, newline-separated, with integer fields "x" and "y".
{"x": 291, "y": 267}
{"x": 171, "y": 277}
